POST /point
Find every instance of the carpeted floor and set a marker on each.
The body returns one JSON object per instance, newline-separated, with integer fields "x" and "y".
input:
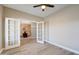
{"x": 31, "y": 47}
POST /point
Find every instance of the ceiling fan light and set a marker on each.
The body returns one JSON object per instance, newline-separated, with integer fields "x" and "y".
{"x": 43, "y": 6}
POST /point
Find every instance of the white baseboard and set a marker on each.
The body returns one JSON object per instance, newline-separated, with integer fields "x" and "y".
{"x": 66, "y": 48}
{"x": 1, "y": 51}
{"x": 40, "y": 42}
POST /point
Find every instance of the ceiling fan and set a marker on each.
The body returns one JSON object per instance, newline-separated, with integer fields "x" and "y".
{"x": 43, "y": 6}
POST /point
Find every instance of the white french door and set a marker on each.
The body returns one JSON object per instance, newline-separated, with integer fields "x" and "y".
{"x": 12, "y": 33}
{"x": 40, "y": 32}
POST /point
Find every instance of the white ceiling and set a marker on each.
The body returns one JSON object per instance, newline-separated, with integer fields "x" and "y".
{"x": 28, "y": 8}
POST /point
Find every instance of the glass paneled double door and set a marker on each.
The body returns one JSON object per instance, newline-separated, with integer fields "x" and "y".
{"x": 12, "y": 31}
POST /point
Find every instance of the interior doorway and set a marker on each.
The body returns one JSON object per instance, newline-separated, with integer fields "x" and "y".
{"x": 25, "y": 32}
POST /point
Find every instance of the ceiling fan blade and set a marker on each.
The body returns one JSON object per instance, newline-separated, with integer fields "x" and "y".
{"x": 37, "y": 5}
{"x": 48, "y": 5}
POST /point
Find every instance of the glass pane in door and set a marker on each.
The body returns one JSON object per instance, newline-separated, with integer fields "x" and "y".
{"x": 40, "y": 32}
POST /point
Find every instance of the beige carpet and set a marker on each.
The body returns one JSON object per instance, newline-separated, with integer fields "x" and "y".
{"x": 31, "y": 47}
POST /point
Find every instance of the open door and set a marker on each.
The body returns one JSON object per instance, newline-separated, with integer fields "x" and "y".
{"x": 12, "y": 33}
{"x": 40, "y": 32}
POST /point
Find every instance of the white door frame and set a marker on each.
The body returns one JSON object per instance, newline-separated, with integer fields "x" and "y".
{"x": 6, "y": 34}
{"x": 42, "y": 32}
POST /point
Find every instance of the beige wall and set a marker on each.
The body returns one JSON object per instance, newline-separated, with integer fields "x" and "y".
{"x": 1, "y": 18}
{"x": 20, "y": 15}
{"x": 62, "y": 27}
